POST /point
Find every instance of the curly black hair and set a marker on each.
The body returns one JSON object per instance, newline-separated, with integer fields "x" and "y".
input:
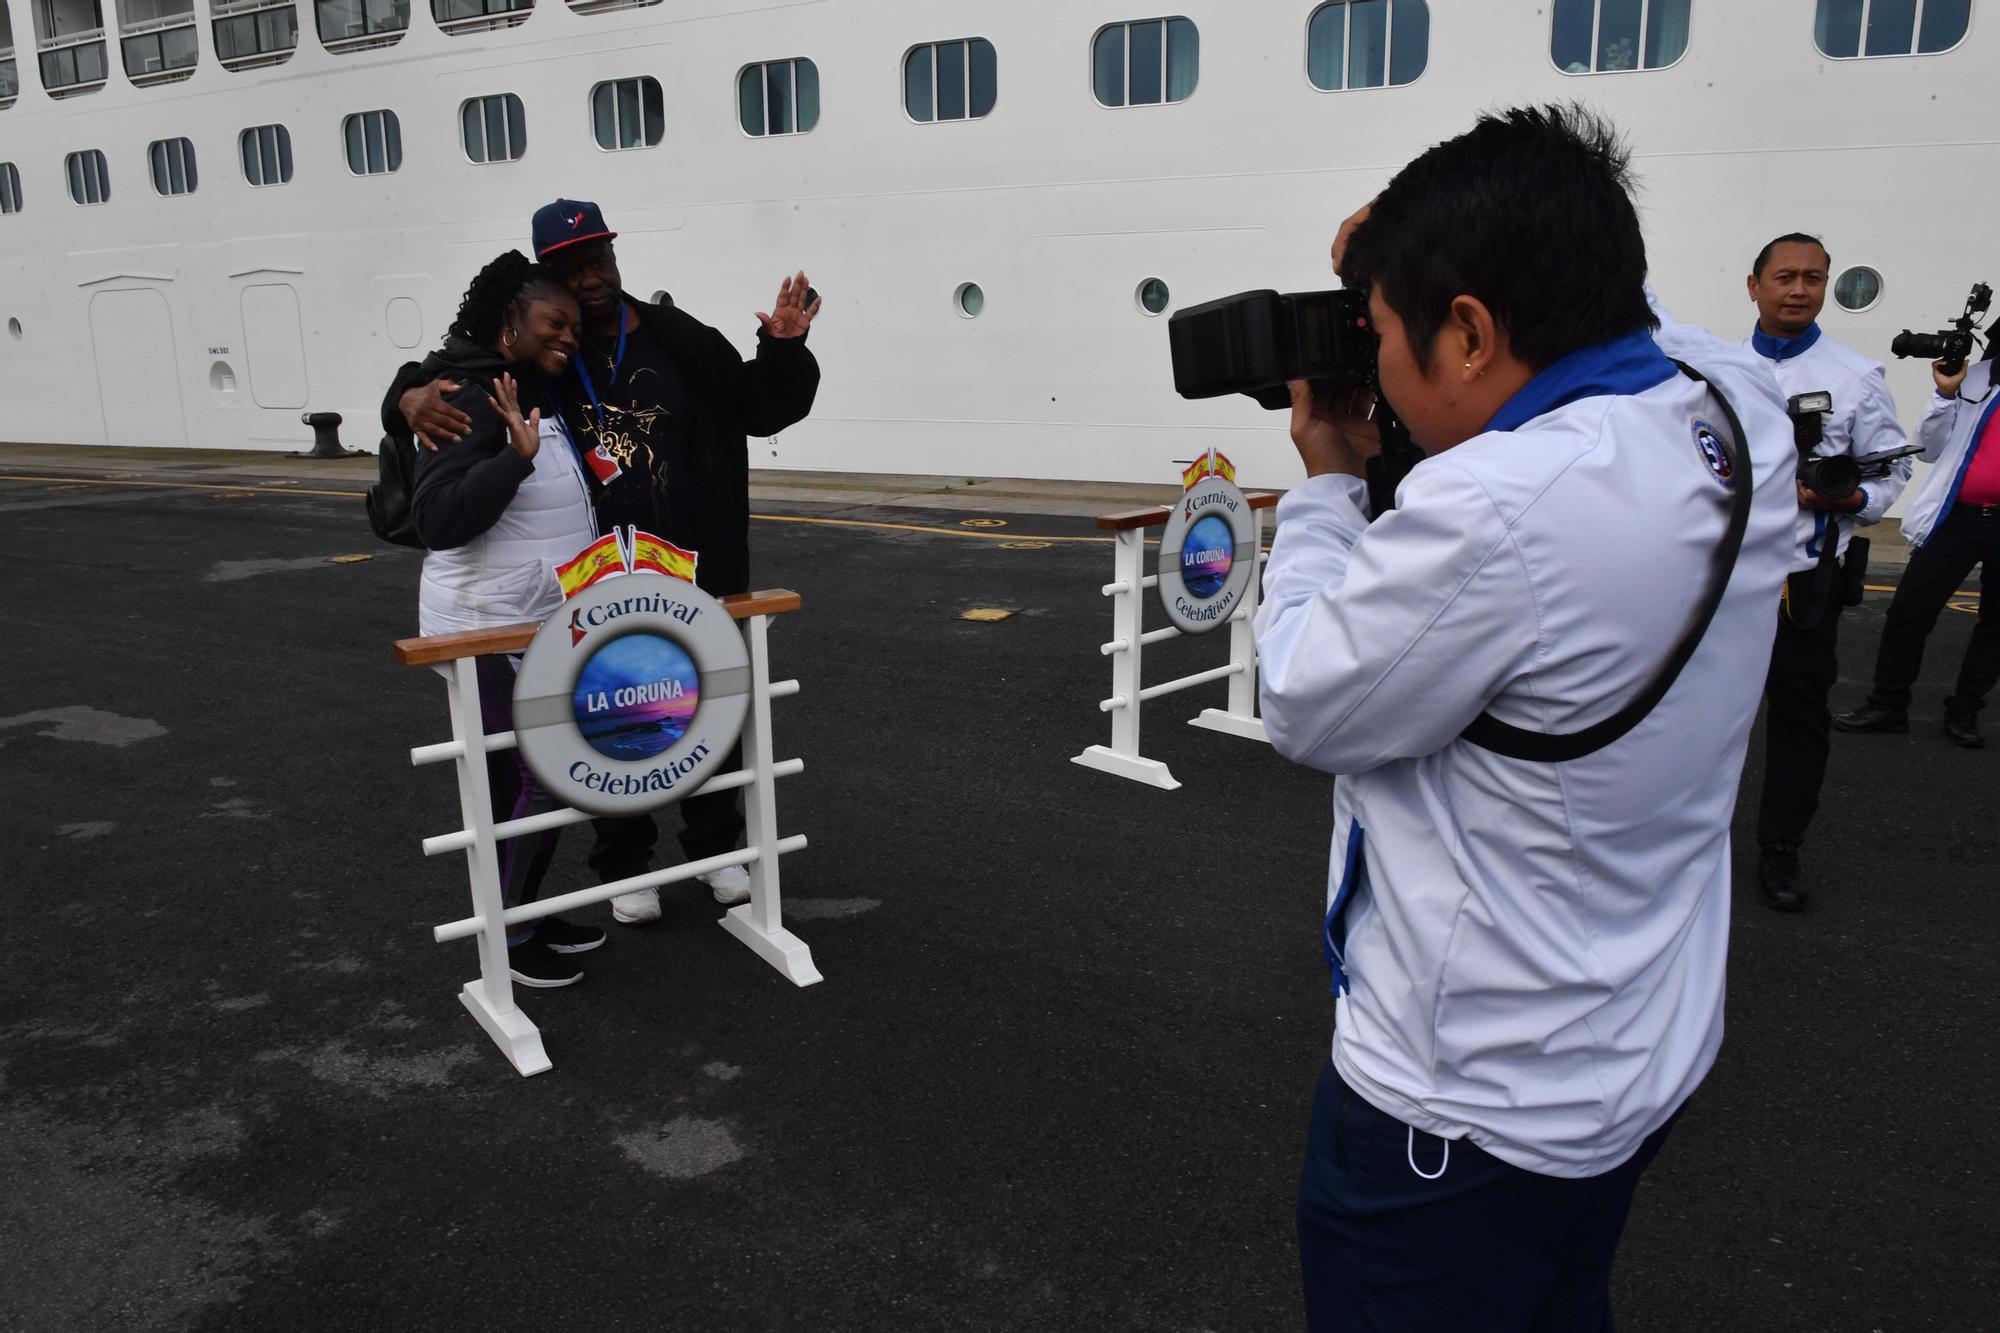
{"x": 497, "y": 288}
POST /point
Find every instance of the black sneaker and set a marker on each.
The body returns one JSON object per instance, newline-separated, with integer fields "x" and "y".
{"x": 1872, "y": 716}
{"x": 1778, "y": 877}
{"x": 565, "y": 937}
{"x": 532, "y": 964}
{"x": 1961, "y": 723}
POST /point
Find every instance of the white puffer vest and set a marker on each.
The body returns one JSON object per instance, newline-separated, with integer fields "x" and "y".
{"x": 506, "y": 575}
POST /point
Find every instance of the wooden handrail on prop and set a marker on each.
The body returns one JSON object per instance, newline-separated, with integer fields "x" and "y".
{"x": 1128, "y": 591}
{"x": 435, "y": 648}
{"x": 758, "y": 923}
{"x": 1153, "y": 516}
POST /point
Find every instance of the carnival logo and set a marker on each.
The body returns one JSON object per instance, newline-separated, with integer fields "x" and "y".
{"x": 1207, "y": 553}
{"x": 632, "y": 694}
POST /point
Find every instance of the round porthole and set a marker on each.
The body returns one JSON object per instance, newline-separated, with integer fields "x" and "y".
{"x": 14, "y": 327}
{"x": 1858, "y": 288}
{"x": 1153, "y": 296}
{"x": 660, "y": 297}
{"x": 969, "y": 299}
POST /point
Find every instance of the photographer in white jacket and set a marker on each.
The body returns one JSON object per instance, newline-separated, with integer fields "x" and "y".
{"x": 1530, "y": 954}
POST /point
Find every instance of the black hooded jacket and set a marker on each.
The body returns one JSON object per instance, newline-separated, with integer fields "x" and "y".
{"x": 734, "y": 399}
{"x": 462, "y": 490}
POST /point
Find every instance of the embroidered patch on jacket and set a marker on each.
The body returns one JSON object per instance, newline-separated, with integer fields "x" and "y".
{"x": 1714, "y": 457}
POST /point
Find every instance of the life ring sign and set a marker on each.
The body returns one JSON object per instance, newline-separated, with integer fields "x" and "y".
{"x": 1208, "y": 555}
{"x": 631, "y": 694}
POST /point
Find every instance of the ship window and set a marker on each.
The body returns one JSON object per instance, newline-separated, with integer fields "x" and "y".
{"x": 628, "y": 113}
{"x": 89, "y": 178}
{"x": 267, "y": 154}
{"x": 1605, "y": 36}
{"x": 255, "y": 37}
{"x": 345, "y": 21}
{"x": 158, "y": 52}
{"x": 479, "y": 15}
{"x": 1145, "y": 63}
{"x": 969, "y": 299}
{"x": 1844, "y": 29}
{"x": 10, "y": 188}
{"x": 173, "y": 166}
{"x": 1153, "y": 296}
{"x": 778, "y": 97}
{"x": 1858, "y": 288}
{"x": 73, "y": 66}
{"x": 1367, "y": 43}
{"x": 495, "y": 128}
{"x": 950, "y": 80}
{"x": 374, "y": 142}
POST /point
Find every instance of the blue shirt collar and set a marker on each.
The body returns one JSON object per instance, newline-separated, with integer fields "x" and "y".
{"x": 1783, "y": 349}
{"x": 1631, "y": 364}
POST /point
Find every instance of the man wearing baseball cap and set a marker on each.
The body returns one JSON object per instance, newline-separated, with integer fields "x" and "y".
{"x": 658, "y": 406}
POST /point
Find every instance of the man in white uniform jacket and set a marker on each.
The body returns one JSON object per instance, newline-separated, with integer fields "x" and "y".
{"x": 1788, "y": 283}
{"x": 1531, "y": 954}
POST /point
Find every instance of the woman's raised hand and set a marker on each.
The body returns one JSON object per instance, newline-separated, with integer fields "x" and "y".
{"x": 524, "y": 434}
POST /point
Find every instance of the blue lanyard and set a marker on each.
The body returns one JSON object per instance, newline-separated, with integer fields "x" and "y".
{"x": 617, "y": 360}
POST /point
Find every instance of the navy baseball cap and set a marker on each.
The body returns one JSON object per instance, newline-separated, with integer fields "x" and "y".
{"x": 567, "y": 222}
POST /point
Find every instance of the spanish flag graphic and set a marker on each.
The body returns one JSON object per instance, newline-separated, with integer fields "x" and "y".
{"x": 592, "y": 563}
{"x": 657, "y": 553}
{"x": 1209, "y": 464}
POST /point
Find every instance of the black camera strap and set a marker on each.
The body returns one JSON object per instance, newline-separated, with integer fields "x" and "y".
{"x": 1490, "y": 733}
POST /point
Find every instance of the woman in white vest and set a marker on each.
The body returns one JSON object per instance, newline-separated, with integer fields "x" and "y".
{"x": 499, "y": 511}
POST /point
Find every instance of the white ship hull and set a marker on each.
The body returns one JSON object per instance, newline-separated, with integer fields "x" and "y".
{"x": 215, "y": 319}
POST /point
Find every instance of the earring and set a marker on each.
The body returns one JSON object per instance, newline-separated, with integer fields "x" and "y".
{"x": 508, "y": 339}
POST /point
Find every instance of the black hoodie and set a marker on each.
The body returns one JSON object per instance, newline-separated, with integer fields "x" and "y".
{"x": 463, "y": 489}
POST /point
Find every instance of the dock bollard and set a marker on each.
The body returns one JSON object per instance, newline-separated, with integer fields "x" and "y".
{"x": 326, "y": 436}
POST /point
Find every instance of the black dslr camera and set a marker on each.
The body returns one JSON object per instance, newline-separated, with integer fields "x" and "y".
{"x": 1952, "y": 346}
{"x": 1254, "y": 343}
{"x": 1835, "y": 476}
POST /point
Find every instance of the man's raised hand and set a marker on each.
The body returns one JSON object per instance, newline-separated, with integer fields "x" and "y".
{"x": 790, "y": 317}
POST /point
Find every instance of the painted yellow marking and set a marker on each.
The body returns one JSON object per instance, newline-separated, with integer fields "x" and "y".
{"x": 985, "y": 613}
{"x": 918, "y": 527}
{"x": 235, "y": 495}
{"x": 1970, "y": 608}
{"x": 1035, "y": 544}
{"x": 189, "y": 486}
{"x": 347, "y": 559}
{"x": 982, "y": 523}
{"x": 762, "y": 518}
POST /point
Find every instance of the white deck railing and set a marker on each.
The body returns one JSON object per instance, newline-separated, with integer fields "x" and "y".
{"x": 759, "y": 923}
{"x": 1129, "y": 637}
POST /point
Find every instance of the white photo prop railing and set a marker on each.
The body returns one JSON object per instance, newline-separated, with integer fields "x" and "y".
{"x": 1128, "y": 593}
{"x": 758, "y": 923}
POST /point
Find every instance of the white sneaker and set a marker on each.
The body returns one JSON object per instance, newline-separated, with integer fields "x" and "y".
{"x": 636, "y": 908}
{"x": 731, "y": 885}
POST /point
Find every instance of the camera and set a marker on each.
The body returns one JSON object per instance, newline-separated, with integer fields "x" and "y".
{"x": 1255, "y": 343}
{"x": 1833, "y": 476}
{"x": 1952, "y": 346}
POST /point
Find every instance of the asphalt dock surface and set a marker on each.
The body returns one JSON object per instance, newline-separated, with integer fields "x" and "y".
{"x": 1057, "y": 1075}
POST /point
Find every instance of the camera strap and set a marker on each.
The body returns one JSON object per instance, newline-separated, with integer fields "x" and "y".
{"x": 1490, "y": 733}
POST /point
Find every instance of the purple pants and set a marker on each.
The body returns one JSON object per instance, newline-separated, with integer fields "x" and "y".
{"x": 516, "y": 794}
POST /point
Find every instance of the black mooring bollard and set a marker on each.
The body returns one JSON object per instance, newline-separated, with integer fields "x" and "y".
{"x": 326, "y": 436}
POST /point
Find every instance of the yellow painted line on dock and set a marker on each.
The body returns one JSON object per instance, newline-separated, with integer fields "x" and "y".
{"x": 1003, "y": 536}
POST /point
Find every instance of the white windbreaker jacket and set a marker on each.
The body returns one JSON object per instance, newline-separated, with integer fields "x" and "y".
{"x": 506, "y": 575}
{"x": 1863, "y": 422}
{"x": 1948, "y": 433}
{"x": 1533, "y": 954}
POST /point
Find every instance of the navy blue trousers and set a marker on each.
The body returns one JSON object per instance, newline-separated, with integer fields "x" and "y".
{"x": 1486, "y": 1246}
